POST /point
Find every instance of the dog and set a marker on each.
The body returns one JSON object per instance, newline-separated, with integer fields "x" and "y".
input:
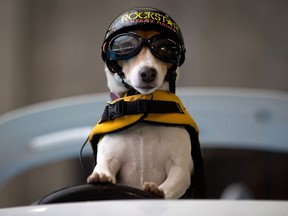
{"x": 155, "y": 158}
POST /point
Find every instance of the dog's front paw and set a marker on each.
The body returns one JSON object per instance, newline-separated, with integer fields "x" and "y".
{"x": 153, "y": 188}
{"x": 100, "y": 177}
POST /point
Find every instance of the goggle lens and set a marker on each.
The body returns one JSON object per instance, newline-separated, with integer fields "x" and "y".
{"x": 166, "y": 48}
{"x": 124, "y": 44}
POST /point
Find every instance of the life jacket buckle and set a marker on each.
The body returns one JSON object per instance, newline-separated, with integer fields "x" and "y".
{"x": 116, "y": 110}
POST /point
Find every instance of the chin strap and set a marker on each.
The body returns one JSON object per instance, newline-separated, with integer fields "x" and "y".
{"x": 170, "y": 77}
{"x": 114, "y": 67}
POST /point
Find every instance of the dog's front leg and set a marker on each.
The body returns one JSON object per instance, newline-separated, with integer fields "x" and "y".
{"x": 177, "y": 182}
{"x": 108, "y": 162}
{"x": 104, "y": 171}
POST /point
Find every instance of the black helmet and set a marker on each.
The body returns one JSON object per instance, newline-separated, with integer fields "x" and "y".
{"x": 145, "y": 18}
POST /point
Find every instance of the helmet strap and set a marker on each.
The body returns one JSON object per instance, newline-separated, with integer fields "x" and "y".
{"x": 114, "y": 67}
{"x": 171, "y": 78}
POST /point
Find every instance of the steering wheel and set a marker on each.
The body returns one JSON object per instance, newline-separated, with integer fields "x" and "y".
{"x": 91, "y": 192}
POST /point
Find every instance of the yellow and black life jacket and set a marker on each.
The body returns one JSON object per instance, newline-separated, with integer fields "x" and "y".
{"x": 159, "y": 107}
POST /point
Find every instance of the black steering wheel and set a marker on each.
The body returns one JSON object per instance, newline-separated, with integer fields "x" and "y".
{"x": 91, "y": 192}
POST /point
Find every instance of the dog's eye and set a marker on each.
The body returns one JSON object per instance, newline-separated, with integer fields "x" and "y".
{"x": 124, "y": 44}
{"x": 166, "y": 47}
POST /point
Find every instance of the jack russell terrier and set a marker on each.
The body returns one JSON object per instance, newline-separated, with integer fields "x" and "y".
{"x": 145, "y": 138}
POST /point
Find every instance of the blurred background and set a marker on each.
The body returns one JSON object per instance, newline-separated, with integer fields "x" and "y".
{"x": 50, "y": 49}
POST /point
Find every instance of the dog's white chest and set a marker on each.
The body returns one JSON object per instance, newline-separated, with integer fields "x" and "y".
{"x": 146, "y": 152}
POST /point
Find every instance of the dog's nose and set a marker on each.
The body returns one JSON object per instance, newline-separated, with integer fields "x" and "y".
{"x": 148, "y": 74}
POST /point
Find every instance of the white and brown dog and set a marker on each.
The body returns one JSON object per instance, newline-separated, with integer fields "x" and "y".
{"x": 155, "y": 158}
{"x": 142, "y": 49}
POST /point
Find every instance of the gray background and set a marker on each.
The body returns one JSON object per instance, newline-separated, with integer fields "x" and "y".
{"x": 51, "y": 49}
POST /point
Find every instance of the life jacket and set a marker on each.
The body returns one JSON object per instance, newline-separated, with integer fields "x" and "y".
{"x": 159, "y": 107}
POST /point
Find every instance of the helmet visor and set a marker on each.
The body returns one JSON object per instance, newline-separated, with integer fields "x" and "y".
{"x": 128, "y": 45}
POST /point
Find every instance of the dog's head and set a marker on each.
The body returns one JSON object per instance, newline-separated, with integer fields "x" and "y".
{"x": 143, "y": 72}
{"x": 144, "y": 56}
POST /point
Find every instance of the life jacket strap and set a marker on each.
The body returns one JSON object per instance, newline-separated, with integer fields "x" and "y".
{"x": 122, "y": 108}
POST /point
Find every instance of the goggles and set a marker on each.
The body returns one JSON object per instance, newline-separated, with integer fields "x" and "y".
{"x": 127, "y": 45}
